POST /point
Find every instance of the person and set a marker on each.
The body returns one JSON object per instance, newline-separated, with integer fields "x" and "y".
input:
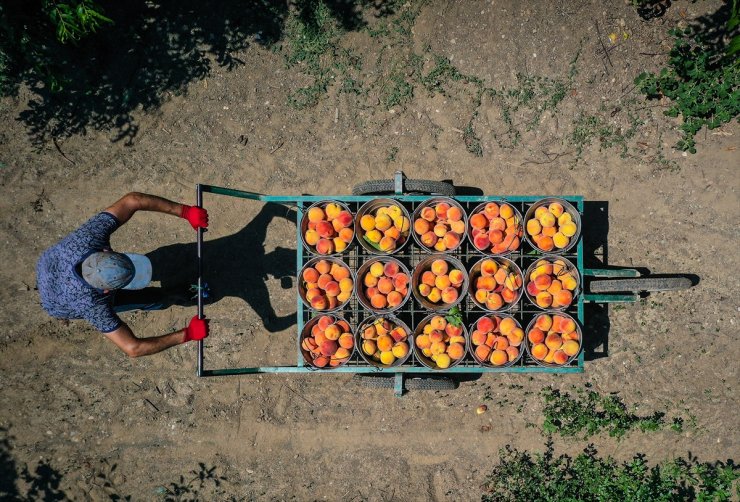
{"x": 81, "y": 277}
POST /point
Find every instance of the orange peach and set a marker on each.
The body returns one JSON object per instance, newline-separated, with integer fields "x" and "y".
{"x": 387, "y": 358}
{"x": 456, "y": 350}
{"x": 539, "y": 351}
{"x": 425, "y": 289}
{"x": 486, "y": 324}
{"x": 338, "y": 272}
{"x": 451, "y": 240}
{"x": 536, "y": 335}
{"x": 378, "y": 301}
{"x": 486, "y": 283}
{"x": 320, "y": 303}
{"x": 494, "y": 301}
{"x": 434, "y": 295}
{"x": 500, "y": 343}
{"x": 421, "y": 226}
{"x": 544, "y": 322}
{"x": 456, "y": 277}
{"x": 545, "y": 243}
{"x": 478, "y": 220}
{"x": 310, "y": 275}
{"x": 332, "y": 332}
{"x": 562, "y": 298}
{"x": 481, "y": 241}
{"x": 316, "y": 214}
{"x": 512, "y": 352}
{"x": 332, "y": 288}
{"x": 553, "y": 341}
{"x": 394, "y": 299}
{"x": 543, "y": 299}
{"x": 428, "y": 214}
{"x": 400, "y": 349}
{"x": 439, "y": 267}
{"x": 506, "y": 211}
{"x": 496, "y": 236}
{"x": 436, "y": 336}
{"x": 478, "y": 337}
{"x": 499, "y": 357}
{"x": 387, "y": 244}
{"x": 560, "y": 357}
{"x": 384, "y": 343}
{"x": 458, "y": 227}
{"x": 481, "y": 295}
{"x": 454, "y": 213}
{"x": 385, "y": 285}
{"x": 571, "y": 347}
{"x": 321, "y": 361}
{"x": 507, "y": 325}
{"x": 500, "y": 276}
{"x": 325, "y": 246}
{"x": 442, "y": 282}
{"x": 542, "y": 282}
{"x": 449, "y": 295}
{"x": 508, "y": 295}
{"x": 491, "y": 210}
{"x": 329, "y": 347}
{"x": 438, "y": 347}
{"x": 569, "y": 282}
{"x": 453, "y": 330}
{"x": 482, "y": 352}
{"x": 423, "y": 341}
{"x": 488, "y": 268}
{"x": 346, "y": 341}
{"x": 516, "y": 337}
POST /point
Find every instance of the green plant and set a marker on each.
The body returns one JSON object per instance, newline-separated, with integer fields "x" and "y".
{"x": 586, "y": 128}
{"x": 703, "y": 85}
{"x": 520, "y": 475}
{"x": 74, "y": 18}
{"x": 590, "y": 413}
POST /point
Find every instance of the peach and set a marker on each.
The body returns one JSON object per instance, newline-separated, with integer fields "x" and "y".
{"x": 571, "y": 347}
{"x": 499, "y": 357}
{"x": 568, "y": 229}
{"x": 508, "y": 295}
{"x": 542, "y": 282}
{"x": 449, "y": 295}
{"x": 498, "y": 224}
{"x": 312, "y": 237}
{"x": 562, "y": 298}
{"x": 387, "y": 244}
{"x": 429, "y": 239}
{"x": 332, "y": 332}
{"x": 486, "y": 324}
{"x": 342, "y": 353}
{"x": 442, "y": 282}
{"x": 387, "y": 358}
{"x": 343, "y": 296}
{"x": 434, "y": 295}
{"x": 560, "y": 241}
{"x": 344, "y": 218}
{"x": 458, "y": 227}
{"x": 385, "y": 285}
{"x": 494, "y": 301}
{"x": 394, "y": 299}
{"x": 322, "y": 267}
{"x": 545, "y": 243}
{"x": 378, "y": 301}
{"x": 456, "y": 351}
{"x": 456, "y": 277}
{"x": 331, "y": 210}
{"x": 454, "y": 213}
{"x": 555, "y": 286}
{"x": 332, "y": 302}
{"x": 391, "y": 269}
{"x": 453, "y": 330}
{"x": 553, "y": 341}
{"x": 425, "y": 289}
{"x": 423, "y": 341}
{"x": 500, "y": 276}
{"x": 500, "y": 342}
{"x": 332, "y": 288}
{"x": 400, "y": 350}
{"x": 346, "y": 341}
{"x": 482, "y": 352}
{"x": 555, "y": 208}
{"x": 400, "y": 280}
{"x": 539, "y": 351}
{"x": 536, "y": 335}
{"x": 439, "y": 267}
{"x": 496, "y": 236}
{"x": 324, "y": 322}
{"x": 374, "y": 236}
{"x": 428, "y": 214}
{"x": 438, "y": 322}
{"x": 370, "y": 281}
{"x": 428, "y": 278}
{"x": 338, "y": 272}
{"x": 383, "y": 222}
{"x": 481, "y": 241}
{"x": 436, "y": 336}
{"x": 443, "y": 361}
{"x": 440, "y": 246}
{"x": 316, "y": 214}
{"x": 567, "y": 325}
{"x": 441, "y": 210}
{"x": 560, "y": 357}
{"x": 478, "y": 221}
{"x": 485, "y": 283}
{"x": 398, "y": 334}
{"x": 325, "y": 229}
{"x": 481, "y": 295}
{"x": 320, "y": 303}
{"x": 325, "y": 246}
{"x": 384, "y": 343}
{"x": 478, "y": 337}
{"x": 329, "y": 347}
{"x": 321, "y": 361}
{"x": 533, "y": 227}
{"x": 490, "y": 339}
{"x": 451, "y": 240}
{"x": 549, "y": 231}
{"x": 376, "y": 269}
{"x": 491, "y": 210}
{"x": 345, "y": 285}
{"x": 310, "y": 275}
{"x": 421, "y": 226}
{"x": 324, "y": 279}
{"x": 506, "y": 211}
{"x": 516, "y": 337}
{"x": 512, "y": 353}
{"x": 544, "y": 322}
{"x": 569, "y": 282}
{"x": 438, "y": 347}
{"x": 440, "y": 230}
{"x": 507, "y": 325}
{"x": 488, "y": 267}
{"x": 543, "y": 299}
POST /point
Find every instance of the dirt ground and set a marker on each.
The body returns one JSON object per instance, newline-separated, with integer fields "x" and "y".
{"x": 90, "y": 423}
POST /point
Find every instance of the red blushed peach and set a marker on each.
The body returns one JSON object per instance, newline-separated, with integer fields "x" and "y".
{"x": 560, "y": 357}
{"x": 320, "y": 338}
{"x": 481, "y": 241}
{"x": 499, "y": 357}
{"x": 553, "y": 341}
{"x": 543, "y": 299}
{"x": 536, "y": 335}
{"x": 497, "y": 224}
{"x": 425, "y": 289}
{"x": 378, "y": 301}
{"x": 346, "y": 234}
{"x": 532, "y": 288}
{"x": 508, "y": 295}
{"x": 393, "y": 233}
{"x": 371, "y": 291}
{"x": 341, "y": 355}
{"x": 344, "y": 218}
{"x": 436, "y": 336}
{"x": 398, "y": 334}
{"x": 324, "y": 279}
{"x": 478, "y": 337}
{"x": 454, "y": 213}
{"x": 320, "y": 303}
{"x": 312, "y": 293}
{"x": 542, "y": 282}
{"x": 449, "y": 295}
{"x": 332, "y": 288}
{"x": 490, "y": 338}
{"x": 456, "y": 277}
{"x": 567, "y": 325}
{"x": 421, "y": 226}
{"x": 482, "y": 352}
{"x": 324, "y": 322}
{"x": 346, "y": 341}
{"x": 321, "y": 361}
{"x": 343, "y": 325}
{"x": 573, "y": 335}
{"x": 491, "y": 210}
{"x": 325, "y": 246}
{"x": 494, "y": 301}
{"x": 385, "y": 285}
{"x": 478, "y": 221}
{"x": 481, "y": 295}
{"x": 495, "y": 236}
{"x": 456, "y": 351}
{"x": 485, "y": 283}
{"x": 329, "y": 347}
{"x": 500, "y": 276}
{"x": 539, "y": 351}
{"x": 428, "y": 214}
{"x": 485, "y": 324}
{"x": 488, "y": 268}
{"x": 453, "y": 331}
{"x": 544, "y": 322}
{"x": 400, "y": 281}
{"x": 501, "y": 343}
{"x": 325, "y": 229}
{"x": 441, "y": 210}
{"x": 429, "y": 239}
{"x": 562, "y": 298}
{"x": 512, "y": 352}
{"x": 451, "y": 240}
{"x": 391, "y": 269}
{"x": 332, "y": 301}
{"x": 394, "y": 299}
{"x": 428, "y": 277}
{"x": 310, "y": 275}
{"x": 439, "y": 267}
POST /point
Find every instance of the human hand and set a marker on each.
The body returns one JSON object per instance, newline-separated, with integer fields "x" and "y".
{"x": 197, "y": 216}
{"x": 197, "y": 329}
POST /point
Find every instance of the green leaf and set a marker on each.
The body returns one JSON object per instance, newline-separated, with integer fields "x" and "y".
{"x": 373, "y": 244}
{"x": 454, "y": 316}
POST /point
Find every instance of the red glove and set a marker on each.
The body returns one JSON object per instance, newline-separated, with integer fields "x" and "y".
{"x": 197, "y": 329}
{"x": 197, "y": 216}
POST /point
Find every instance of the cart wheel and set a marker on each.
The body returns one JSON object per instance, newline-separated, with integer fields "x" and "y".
{"x": 638, "y": 284}
{"x": 442, "y": 383}
{"x": 384, "y": 187}
{"x": 375, "y": 382}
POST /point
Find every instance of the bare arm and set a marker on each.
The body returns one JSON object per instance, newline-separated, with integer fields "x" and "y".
{"x": 125, "y": 339}
{"x": 127, "y": 205}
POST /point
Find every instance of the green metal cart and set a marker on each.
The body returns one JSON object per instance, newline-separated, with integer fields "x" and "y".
{"x": 409, "y": 373}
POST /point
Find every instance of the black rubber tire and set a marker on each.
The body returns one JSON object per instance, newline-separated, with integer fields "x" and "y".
{"x": 375, "y": 382}
{"x": 443, "y": 383}
{"x": 637, "y": 284}
{"x": 388, "y": 187}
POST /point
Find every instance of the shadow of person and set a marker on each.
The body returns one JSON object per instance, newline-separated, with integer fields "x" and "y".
{"x": 233, "y": 266}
